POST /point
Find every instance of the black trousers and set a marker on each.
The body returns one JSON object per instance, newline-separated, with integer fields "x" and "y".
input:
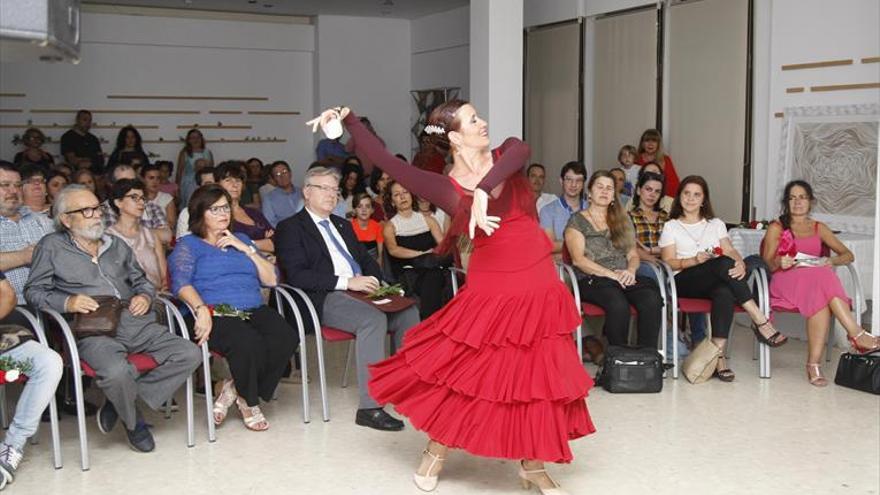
{"x": 257, "y": 350}
{"x": 644, "y": 295}
{"x": 711, "y": 280}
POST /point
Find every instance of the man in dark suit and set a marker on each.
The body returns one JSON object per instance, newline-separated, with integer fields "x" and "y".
{"x": 321, "y": 255}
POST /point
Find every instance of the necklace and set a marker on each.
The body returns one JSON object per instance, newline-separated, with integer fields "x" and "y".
{"x": 697, "y": 240}
{"x": 595, "y": 222}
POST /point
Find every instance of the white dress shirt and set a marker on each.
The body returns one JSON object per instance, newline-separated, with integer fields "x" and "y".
{"x": 341, "y": 268}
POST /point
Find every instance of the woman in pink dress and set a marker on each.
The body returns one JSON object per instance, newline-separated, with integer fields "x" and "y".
{"x": 494, "y": 372}
{"x": 811, "y": 289}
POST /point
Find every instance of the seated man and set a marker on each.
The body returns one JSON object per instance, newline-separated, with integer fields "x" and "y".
{"x": 285, "y": 200}
{"x": 80, "y": 261}
{"x": 554, "y": 216}
{"x": 320, "y": 254}
{"x": 17, "y": 343}
{"x": 205, "y": 176}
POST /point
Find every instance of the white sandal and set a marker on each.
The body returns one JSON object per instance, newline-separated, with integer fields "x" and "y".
{"x": 227, "y": 396}
{"x": 253, "y": 417}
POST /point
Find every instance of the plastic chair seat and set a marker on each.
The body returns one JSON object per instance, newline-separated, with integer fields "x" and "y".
{"x": 142, "y": 363}
{"x": 331, "y": 334}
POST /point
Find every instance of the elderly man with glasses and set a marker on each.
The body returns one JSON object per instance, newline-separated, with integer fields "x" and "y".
{"x": 320, "y": 254}
{"x": 79, "y": 262}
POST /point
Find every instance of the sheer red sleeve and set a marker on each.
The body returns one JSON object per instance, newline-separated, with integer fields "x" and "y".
{"x": 514, "y": 155}
{"x": 436, "y": 188}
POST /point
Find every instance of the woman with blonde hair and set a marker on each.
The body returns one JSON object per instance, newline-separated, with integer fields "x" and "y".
{"x": 651, "y": 150}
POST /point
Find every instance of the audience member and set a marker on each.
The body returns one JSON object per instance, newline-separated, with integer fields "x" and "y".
{"x": 214, "y": 267}
{"x": 33, "y": 190}
{"x": 648, "y": 218}
{"x": 378, "y": 182}
{"x": 77, "y": 263}
{"x": 536, "y": 173}
{"x": 204, "y": 177}
{"x": 429, "y": 157}
{"x": 554, "y": 216}
{"x": 428, "y": 209}
{"x": 651, "y": 150}
{"x": 250, "y": 195}
{"x": 245, "y": 220}
{"x": 626, "y": 159}
{"x": 128, "y": 198}
{"x": 20, "y": 230}
{"x": 803, "y": 276}
{"x": 85, "y": 177}
{"x": 151, "y": 175}
{"x": 193, "y": 157}
{"x": 17, "y": 344}
{"x": 411, "y": 238}
{"x": 620, "y": 185}
{"x": 602, "y": 246}
{"x": 33, "y": 139}
{"x": 321, "y": 255}
{"x": 154, "y": 217}
{"x": 331, "y": 151}
{"x": 285, "y": 199}
{"x": 64, "y": 169}
{"x": 80, "y": 147}
{"x": 55, "y": 182}
{"x": 696, "y": 245}
{"x": 268, "y": 182}
{"x": 352, "y": 183}
{"x": 367, "y": 230}
{"x": 166, "y": 168}
{"x": 129, "y": 149}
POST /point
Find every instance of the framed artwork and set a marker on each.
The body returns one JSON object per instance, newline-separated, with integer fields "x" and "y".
{"x": 834, "y": 148}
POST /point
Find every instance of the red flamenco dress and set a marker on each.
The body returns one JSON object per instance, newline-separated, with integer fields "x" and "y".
{"x": 494, "y": 372}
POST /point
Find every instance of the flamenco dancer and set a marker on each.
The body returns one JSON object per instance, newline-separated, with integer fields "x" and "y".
{"x": 495, "y": 372}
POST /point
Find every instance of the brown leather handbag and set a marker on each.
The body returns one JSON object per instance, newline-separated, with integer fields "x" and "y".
{"x": 100, "y": 322}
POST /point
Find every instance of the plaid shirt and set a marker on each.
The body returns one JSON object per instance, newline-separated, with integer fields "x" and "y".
{"x": 15, "y": 236}
{"x": 648, "y": 233}
{"x": 154, "y": 217}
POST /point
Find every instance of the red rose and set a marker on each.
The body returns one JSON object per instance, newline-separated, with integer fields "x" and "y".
{"x": 753, "y": 224}
{"x": 2, "y": 377}
{"x": 717, "y": 251}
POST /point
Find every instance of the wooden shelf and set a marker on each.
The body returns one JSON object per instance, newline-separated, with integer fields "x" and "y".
{"x": 11, "y": 110}
{"x": 177, "y": 97}
{"x": 214, "y": 126}
{"x": 67, "y": 126}
{"x": 817, "y": 65}
{"x": 844, "y": 87}
{"x": 225, "y": 112}
{"x": 141, "y": 112}
{"x": 266, "y": 112}
{"x": 250, "y": 141}
{"x": 12, "y": 95}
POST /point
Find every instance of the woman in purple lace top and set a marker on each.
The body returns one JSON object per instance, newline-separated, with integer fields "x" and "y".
{"x": 248, "y": 221}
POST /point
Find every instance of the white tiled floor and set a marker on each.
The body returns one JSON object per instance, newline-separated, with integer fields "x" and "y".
{"x": 753, "y": 436}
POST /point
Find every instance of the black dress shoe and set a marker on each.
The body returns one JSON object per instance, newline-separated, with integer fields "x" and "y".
{"x": 140, "y": 438}
{"x": 107, "y": 417}
{"x": 69, "y": 407}
{"x": 378, "y": 419}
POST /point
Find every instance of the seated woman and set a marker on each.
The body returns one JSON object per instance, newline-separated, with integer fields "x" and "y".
{"x": 811, "y": 289}
{"x": 647, "y": 217}
{"x": 245, "y": 220}
{"x": 213, "y": 266}
{"x": 411, "y": 238}
{"x": 85, "y": 177}
{"x": 696, "y": 245}
{"x": 352, "y": 183}
{"x": 33, "y": 190}
{"x": 166, "y": 170}
{"x": 429, "y": 210}
{"x": 378, "y": 183}
{"x": 128, "y": 200}
{"x": 367, "y": 230}
{"x": 32, "y": 140}
{"x": 55, "y": 182}
{"x": 602, "y": 245}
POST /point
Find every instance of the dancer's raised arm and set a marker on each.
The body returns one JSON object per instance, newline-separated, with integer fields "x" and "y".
{"x": 436, "y": 188}
{"x": 514, "y": 156}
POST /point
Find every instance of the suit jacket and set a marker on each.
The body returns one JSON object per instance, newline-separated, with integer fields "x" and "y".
{"x": 305, "y": 258}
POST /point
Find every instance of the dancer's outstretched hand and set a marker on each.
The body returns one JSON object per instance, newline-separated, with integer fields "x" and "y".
{"x": 479, "y": 218}
{"x": 326, "y": 116}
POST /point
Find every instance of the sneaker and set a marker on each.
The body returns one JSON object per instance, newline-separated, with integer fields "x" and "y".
{"x": 9, "y": 459}
{"x": 140, "y": 439}
{"x": 107, "y": 417}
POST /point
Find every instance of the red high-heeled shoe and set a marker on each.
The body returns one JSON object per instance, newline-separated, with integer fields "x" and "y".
{"x": 853, "y": 341}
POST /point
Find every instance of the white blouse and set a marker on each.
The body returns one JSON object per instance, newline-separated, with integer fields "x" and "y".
{"x": 689, "y": 239}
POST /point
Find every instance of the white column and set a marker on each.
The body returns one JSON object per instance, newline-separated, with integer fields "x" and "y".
{"x": 875, "y": 280}
{"x": 496, "y": 65}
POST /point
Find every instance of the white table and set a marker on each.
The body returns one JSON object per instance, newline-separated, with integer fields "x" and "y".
{"x": 748, "y": 242}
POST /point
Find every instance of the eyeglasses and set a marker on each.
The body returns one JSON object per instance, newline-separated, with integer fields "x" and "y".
{"x": 326, "y": 189}
{"x": 10, "y": 185}
{"x": 281, "y": 173}
{"x": 137, "y": 198}
{"x": 87, "y": 212}
{"x": 220, "y": 209}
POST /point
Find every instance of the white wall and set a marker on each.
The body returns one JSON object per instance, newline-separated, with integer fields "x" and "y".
{"x": 802, "y": 31}
{"x": 440, "y": 50}
{"x": 140, "y": 55}
{"x": 365, "y": 63}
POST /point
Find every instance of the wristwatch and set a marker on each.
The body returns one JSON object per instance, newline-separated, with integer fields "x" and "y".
{"x": 252, "y": 249}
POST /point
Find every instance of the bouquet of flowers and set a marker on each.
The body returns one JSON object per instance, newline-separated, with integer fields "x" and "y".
{"x": 12, "y": 370}
{"x": 755, "y": 224}
{"x": 388, "y": 290}
{"x": 228, "y": 310}
{"x": 715, "y": 251}
{"x": 786, "y": 245}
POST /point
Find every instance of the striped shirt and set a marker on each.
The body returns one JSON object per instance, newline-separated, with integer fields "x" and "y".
{"x": 17, "y": 235}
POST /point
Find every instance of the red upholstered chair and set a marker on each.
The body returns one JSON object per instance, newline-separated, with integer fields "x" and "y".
{"x": 142, "y": 362}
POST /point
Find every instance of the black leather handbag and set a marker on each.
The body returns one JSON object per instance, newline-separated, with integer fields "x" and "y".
{"x": 631, "y": 370}
{"x": 859, "y": 371}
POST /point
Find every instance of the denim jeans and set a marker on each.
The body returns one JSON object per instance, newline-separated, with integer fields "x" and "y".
{"x": 38, "y": 391}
